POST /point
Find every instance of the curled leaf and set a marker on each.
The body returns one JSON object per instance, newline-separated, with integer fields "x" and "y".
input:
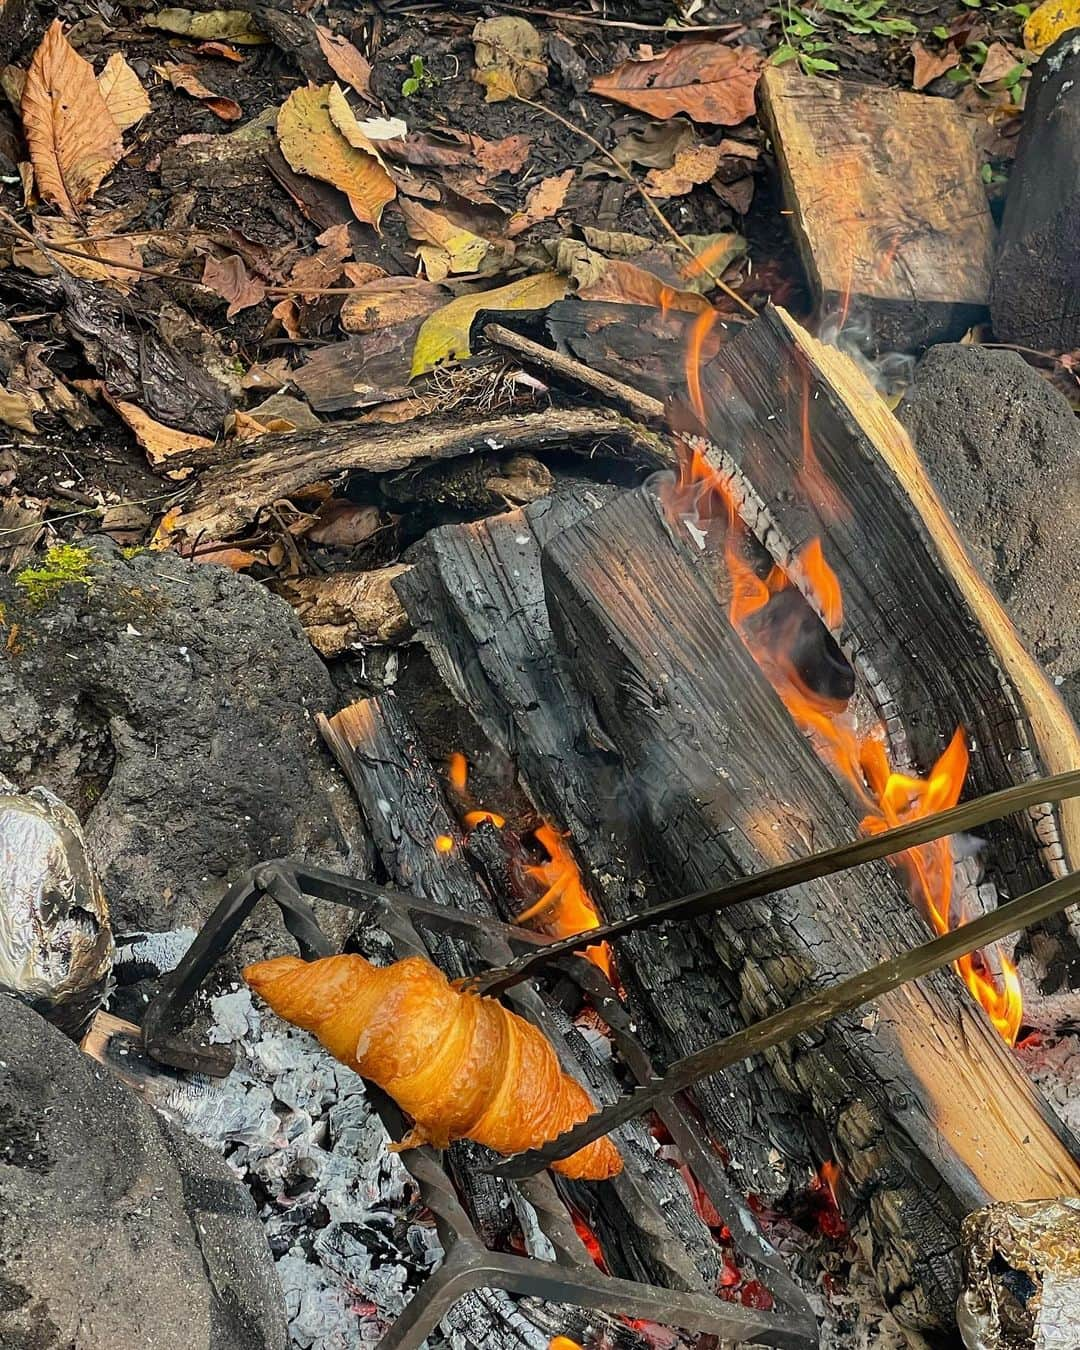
{"x": 509, "y": 58}
{"x": 445, "y": 335}
{"x": 541, "y": 204}
{"x": 230, "y": 279}
{"x": 186, "y": 77}
{"x": 929, "y": 65}
{"x": 312, "y": 144}
{"x": 74, "y": 141}
{"x": 693, "y": 165}
{"x": 445, "y": 247}
{"x": 708, "y": 80}
{"x": 124, "y": 96}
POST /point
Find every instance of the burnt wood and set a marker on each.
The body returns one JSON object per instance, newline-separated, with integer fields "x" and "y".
{"x": 887, "y": 206}
{"x": 476, "y": 597}
{"x": 376, "y": 745}
{"x": 921, "y": 1101}
{"x": 811, "y": 451}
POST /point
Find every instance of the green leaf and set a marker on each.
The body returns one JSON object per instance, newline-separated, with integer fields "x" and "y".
{"x": 816, "y": 65}
{"x": 785, "y": 52}
{"x": 940, "y": 32}
{"x": 410, "y": 86}
{"x": 986, "y": 173}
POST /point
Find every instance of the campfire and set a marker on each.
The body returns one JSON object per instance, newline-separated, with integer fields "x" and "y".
{"x": 634, "y": 853}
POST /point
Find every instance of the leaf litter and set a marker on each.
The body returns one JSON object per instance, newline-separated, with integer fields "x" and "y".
{"x": 240, "y": 227}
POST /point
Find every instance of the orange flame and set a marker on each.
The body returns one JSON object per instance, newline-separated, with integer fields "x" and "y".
{"x": 888, "y": 797}
{"x": 564, "y": 907}
{"x": 443, "y": 843}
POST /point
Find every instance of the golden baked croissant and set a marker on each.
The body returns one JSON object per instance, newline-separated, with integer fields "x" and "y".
{"x": 462, "y": 1066}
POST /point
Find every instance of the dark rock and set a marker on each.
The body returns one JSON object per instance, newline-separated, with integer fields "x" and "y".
{"x": 1035, "y": 293}
{"x": 1003, "y": 449}
{"x": 116, "y": 1230}
{"x": 172, "y": 706}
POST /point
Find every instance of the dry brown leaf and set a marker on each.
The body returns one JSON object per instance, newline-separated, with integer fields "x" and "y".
{"x": 444, "y": 247}
{"x": 186, "y": 77}
{"x": 323, "y": 268}
{"x": 16, "y": 410}
{"x": 1000, "y": 61}
{"x": 708, "y": 80}
{"x": 288, "y": 315}
{"x": 504, "y": 156}
{"x": 389, "y": 301}
{"x": 541, "y": 203}
{"x": 345, "y": 61}
{"x": 13, "y": 82}
{"x": 509, "y": 58}
{"x": 929, "y": 65}
{"x": 360, "y": 273}
{"x": 123, "y": 93}
{"x": 343, "y": 117}
{"x": 313, "y": 145}
{"x": 229, "y": 278}
{"x": 696, "y": 164}
{"x": 89, "y": 261}
{"x": 73, "y": 139}
{"x": 160, "y": 442}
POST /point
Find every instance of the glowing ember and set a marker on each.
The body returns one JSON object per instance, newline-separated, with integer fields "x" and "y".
{"x": 769, "y": 630}
{"x": 563, "y": 1343}
{"x": 443, "y": 843}
{"x": 825, "y": 1203}
{"x": 564, "y": 906}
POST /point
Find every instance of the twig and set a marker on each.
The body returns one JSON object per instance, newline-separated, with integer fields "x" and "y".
{"x": 645, "y": 408}
{"x": 97, "y": 510}
{"x": 593, "y": 22}
{"x": 624, "y": 173}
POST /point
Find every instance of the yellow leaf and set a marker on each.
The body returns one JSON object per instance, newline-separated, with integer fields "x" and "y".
{"x": 234, "y": 25}
{"x": 509, "y": 58}
{"x": 344, "y": 119}
{"x": 73, "y": 139}
{"x": 16, "y": 411}
{"x": 124, "y": 96}
{"x": 1047, "y": 23}
{"x": 159, "y": 441}
{"x": 445, "y": 335}
{"x": 312, "y": 144}
{"x": 445, "y": 247}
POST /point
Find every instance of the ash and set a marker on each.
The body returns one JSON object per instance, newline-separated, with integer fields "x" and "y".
{"x": 1052, "y": 1061}
{"x": 349, "y": 1238}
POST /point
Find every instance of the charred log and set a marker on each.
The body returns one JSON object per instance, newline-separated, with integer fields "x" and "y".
{"x": 726, "y": 785}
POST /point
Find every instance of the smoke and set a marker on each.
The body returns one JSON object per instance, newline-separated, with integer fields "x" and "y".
{"x": 889, "y": 372}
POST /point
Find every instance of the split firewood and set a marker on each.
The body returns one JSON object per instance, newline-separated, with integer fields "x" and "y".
{"x": 888, "y": 208}
{"x": 344, "y": 610}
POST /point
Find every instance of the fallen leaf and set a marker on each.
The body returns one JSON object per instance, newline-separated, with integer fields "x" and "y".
{"x": 655, "y": 147}
{"x": 737, "y": 194}
{"x": 507, "y": 155}
{"x": 232, "y": 25}
{"x": 345, "y": 61}
{"x": 541, "y": 204}
{"x": 186, "y": 77}
{"x": 389, "y": 301}
{"x": 343, "y": 524}
{"x": 73, "y": 139}
{"x": 707, "y": 80}
{"x": 323, "y": 268}
{"x": 509, "y": 58}
{"x": 229, "y": 278}
{"x": 287, "y": 314}
{"x": 13, "y": 82}
{"x": 929, "y": 65}
{"x": 360, "y": 273}
{"x": 591, "y": 276}
{"x": 673, "y": 266}
{"x": 999, "y": 61}
{"x": 160, "y": 442}
{"x": 16, "y": 411}
{"x": 444, "y": 246}
{"x": 1047, "y": 23}
{"x": 313, "y": 145}
{"x": 221, "y": 49}
{"x": 696, "y": 164}
{"x": 124, "y": 96}
{"x": 445, "y": 335}
{"x": 343, "y": 117}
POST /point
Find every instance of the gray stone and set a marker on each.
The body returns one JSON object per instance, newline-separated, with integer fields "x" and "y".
{"x": 1003, "y": 449}
{"x": 117, "y": 1231}
{"x": 172, "y": 706}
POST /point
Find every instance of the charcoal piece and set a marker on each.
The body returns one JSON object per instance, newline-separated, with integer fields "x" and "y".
{"x": 114, "y": 1225}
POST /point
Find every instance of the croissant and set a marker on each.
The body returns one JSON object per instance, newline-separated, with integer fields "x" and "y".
{"x": 462, "y": 1066}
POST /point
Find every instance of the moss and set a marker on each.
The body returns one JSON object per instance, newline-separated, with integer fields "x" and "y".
{"x": 130, "y": 551}
{"x": 62, "y": 565}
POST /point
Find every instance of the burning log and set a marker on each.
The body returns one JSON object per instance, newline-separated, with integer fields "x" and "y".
{"x": 808, "y": 451}
{"x": 889, "y": 212}
{"x": 725, "y": 784}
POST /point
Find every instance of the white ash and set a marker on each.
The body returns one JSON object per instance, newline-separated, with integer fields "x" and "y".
{"x": 1053, "y": 1064}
